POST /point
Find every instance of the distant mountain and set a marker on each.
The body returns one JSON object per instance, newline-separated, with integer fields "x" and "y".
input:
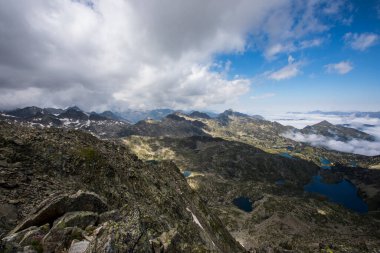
{"x": 173, "y": 125}
{"x": 337, "y": 132}
{"x": 196, "y": 114}
{"x": 105, "y": 124}
{"x": 53, "y": 110}
{"x": 74, "y": 113}
{"x": 111, "y": 115}
{"x": 227, "y": 115}
{"x": 135, "y": 115}
{"x": 26, "y": 112}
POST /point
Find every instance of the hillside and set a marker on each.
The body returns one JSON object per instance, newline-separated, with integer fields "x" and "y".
{"x": 282, "y": 217}
{"x": 43, "y": 170}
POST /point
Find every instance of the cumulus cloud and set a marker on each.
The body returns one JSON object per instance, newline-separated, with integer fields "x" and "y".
{"x": 360, "y": 147}
{"x": 116, "y": 54}
{"x": 341, "y": 68}
{"x": 292, "y": 69}
{"x": 361, "y": 41}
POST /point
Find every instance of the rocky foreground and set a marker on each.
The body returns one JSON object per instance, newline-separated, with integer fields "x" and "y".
{"x": 67, "y": 191}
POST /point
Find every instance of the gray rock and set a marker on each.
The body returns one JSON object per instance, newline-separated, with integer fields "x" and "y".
{"x": 17, "y": 237}
{"x": 60, "y": 238}
{"x": 80, "y": 219}
{"x": 113, "y": 215}
{"x": 78, "y": 246}
{"x": 54, "y": 208}
{"x": 29, "y": 249}
{"x": 35, "y": 236}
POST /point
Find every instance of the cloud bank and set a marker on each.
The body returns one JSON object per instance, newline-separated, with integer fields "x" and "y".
{"x": 365, "y": 124}
{"x": 116, "y": 54}
{"x": 360, "y": 147}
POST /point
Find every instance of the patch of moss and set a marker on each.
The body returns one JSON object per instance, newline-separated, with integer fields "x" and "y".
{"x": 37, "y": 246}
{"x": 89, "y": 154}
{"x": 76, "y": 234}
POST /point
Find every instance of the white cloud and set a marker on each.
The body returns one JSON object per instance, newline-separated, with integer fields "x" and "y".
{"x": 116, "y": 54}
{"x": 311, "y": 43}
{"x": 290, "y": 59}
{"x": 365, "y": 124}
{"x": 289, "y": 71}
{"x": 263, "y": 96}
{"x": 361, "y": 41}
{"x": 360, "y": 147}
{"x": 278, "y": 48}
{"x": 288, "y": 47}
{"x": 341, "y": 68}
{"x": 333, "y": 7}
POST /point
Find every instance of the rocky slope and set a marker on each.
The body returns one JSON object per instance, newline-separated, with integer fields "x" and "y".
{"x": 223, "y": 158}
{"x": 284, "y": 218}
{"x": 67, "y": 191}
{"x": 173, "y": 125}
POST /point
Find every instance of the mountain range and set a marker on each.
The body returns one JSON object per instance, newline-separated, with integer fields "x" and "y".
{"x": 95, "y": 182}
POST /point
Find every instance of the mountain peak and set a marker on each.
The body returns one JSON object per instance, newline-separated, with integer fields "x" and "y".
{"x": 198, "y": 114}
{"x": 74, "y": 113}
{"x": 324, "y": 123}
{"x": 74, "y": 108}
{"x": 26, "y": 112}
{"x": 231, "y": 112}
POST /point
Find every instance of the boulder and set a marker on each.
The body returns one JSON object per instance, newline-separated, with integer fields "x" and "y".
{"x": 78, "y": 246}
{"x": 35, "y": 236}
{"x": 54, "y": 208}
{"x": 59, "y": 239}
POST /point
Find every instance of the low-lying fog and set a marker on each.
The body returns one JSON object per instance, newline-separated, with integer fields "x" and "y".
{"x": 365, "y": 124}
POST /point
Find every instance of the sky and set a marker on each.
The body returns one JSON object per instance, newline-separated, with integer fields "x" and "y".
{"x": 252, "y": 56}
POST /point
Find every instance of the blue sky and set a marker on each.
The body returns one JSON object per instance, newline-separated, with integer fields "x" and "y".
{"x": 316, "y": 86}
{"x": 253, "y": 56}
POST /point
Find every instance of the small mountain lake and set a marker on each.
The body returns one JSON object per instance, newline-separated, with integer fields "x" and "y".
{"x": 343, "y": 193}
{"x": 243, "y": 203}
{"x": 325, "y": 163}
{"x": 286, "y": 155}
{"x": 186, "y": 173}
